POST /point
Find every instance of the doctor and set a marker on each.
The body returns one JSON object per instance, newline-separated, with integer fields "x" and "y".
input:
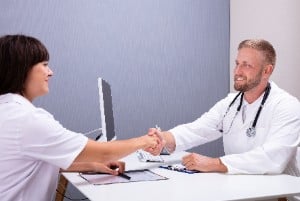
{"x": 260, "y": 124}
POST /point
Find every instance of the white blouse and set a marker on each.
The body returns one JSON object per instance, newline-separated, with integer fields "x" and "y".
{"x": 33, "y": 148}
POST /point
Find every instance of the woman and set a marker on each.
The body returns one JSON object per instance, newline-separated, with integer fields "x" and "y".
{"x": 34, "y": 146}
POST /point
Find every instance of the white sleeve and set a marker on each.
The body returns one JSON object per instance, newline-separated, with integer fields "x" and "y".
{"x": 280, "y": 146}
{"x": 202, "y": 130}
{"x": 45, "y": 139}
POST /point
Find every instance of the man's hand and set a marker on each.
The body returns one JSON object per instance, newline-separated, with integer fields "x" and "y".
{"x": 202, "y": 163}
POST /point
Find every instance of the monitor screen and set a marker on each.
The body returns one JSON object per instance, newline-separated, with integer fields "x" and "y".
{"x": 106, "y": 110}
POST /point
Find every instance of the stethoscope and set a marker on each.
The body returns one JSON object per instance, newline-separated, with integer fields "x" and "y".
{"x": 251, "y": 131}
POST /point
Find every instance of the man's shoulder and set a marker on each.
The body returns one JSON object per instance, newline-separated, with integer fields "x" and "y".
{"x": 281, "y": 101}
{"x": 279, "y": 95}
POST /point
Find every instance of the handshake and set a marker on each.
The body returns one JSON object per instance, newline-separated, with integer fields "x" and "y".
{"x": 159, "y": 140}
{"x": 156, "y": 141}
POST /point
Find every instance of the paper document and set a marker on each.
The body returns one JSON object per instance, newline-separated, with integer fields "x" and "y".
{"x": 135, "y": 175}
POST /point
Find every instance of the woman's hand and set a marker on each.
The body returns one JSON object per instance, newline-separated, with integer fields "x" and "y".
{"x": 114, "y": 167}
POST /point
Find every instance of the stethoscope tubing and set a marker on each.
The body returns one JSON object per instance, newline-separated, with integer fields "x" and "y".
{"x": 251, "y": 131}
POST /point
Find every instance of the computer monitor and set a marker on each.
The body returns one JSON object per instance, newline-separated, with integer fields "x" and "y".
{"x": 106, "y": 111}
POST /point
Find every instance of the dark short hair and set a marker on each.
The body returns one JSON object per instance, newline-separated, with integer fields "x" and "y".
{"x": 18, "y": 54}
{"x": 263, "y": 46}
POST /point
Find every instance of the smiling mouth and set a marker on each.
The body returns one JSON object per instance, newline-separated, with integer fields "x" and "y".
{"x": 238, "y": 79}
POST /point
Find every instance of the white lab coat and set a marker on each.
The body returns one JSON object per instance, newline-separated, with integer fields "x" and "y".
{"x": 271, "y": 151}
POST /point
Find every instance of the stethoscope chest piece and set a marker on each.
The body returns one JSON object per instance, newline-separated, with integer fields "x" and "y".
{"x": 251, "y": 132}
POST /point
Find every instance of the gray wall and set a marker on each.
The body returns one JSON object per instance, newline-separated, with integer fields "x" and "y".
{"x": 167, "y": 61}
{"x": 260, "y": 22}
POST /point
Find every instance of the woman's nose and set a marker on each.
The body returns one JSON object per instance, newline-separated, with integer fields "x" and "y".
{"x": 50, "y": 72}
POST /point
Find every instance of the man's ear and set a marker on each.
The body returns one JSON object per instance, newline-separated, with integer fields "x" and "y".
{"x": 268, "y": 70}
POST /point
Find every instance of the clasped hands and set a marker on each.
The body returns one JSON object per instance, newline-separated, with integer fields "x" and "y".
{"x": 160, "y": 142}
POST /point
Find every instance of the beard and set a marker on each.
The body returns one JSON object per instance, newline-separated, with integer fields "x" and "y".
{"x": 247, "y": 84}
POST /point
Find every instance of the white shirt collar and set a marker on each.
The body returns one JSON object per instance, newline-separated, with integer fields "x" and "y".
{"x": 11, "y": 97}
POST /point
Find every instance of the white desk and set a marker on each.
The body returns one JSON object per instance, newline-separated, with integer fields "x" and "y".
{"x": 189, "y": 187}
